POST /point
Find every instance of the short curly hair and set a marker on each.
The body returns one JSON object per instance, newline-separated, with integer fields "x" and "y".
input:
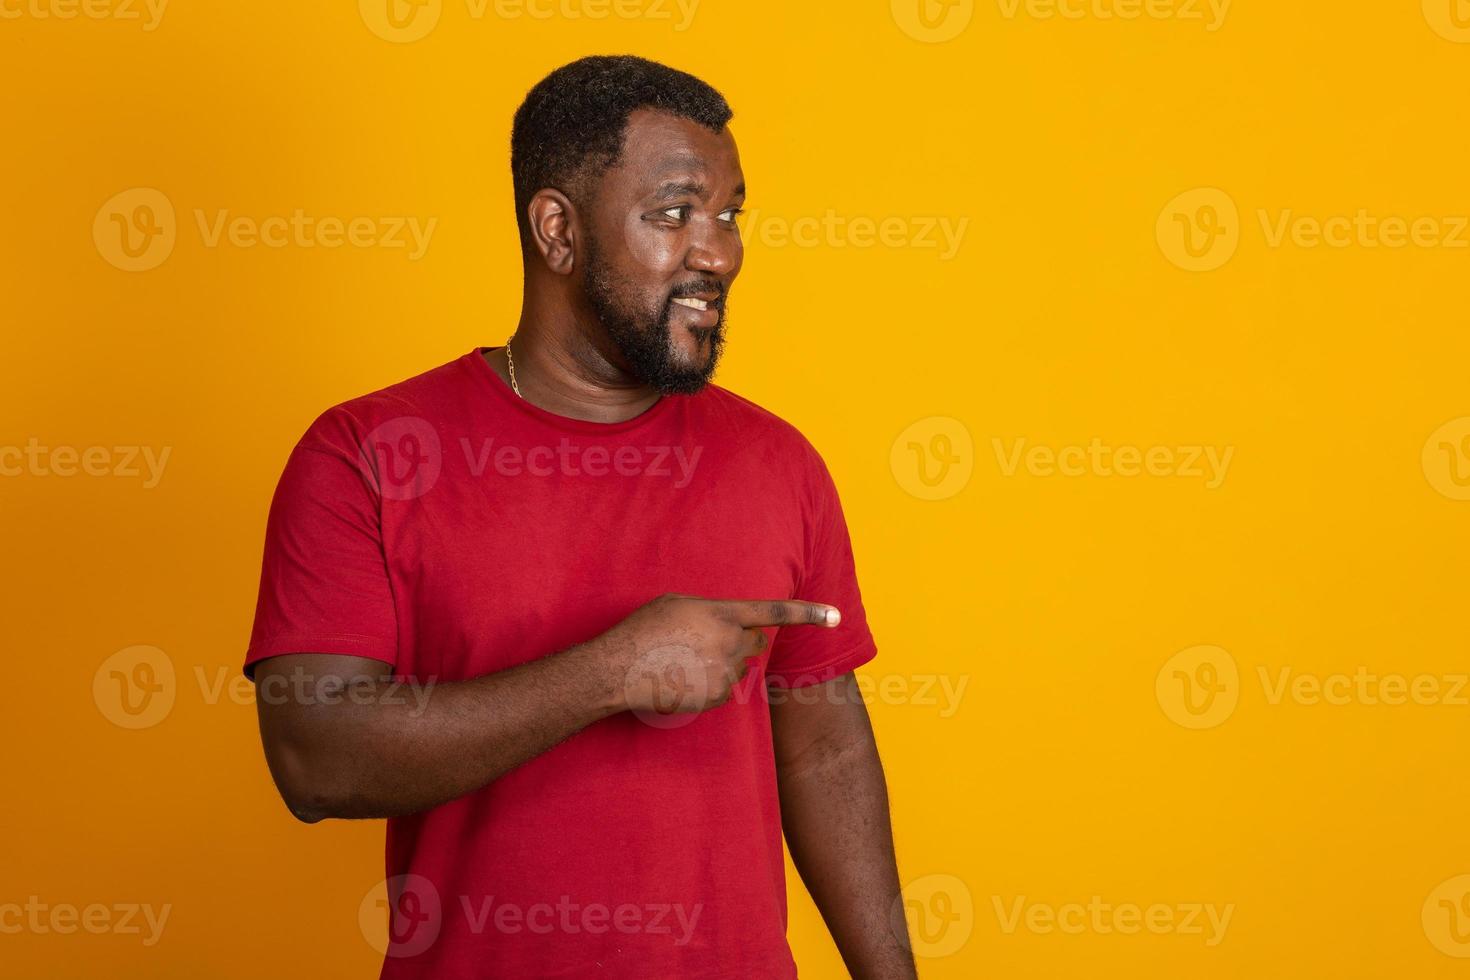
{"x": 570, "y": 126}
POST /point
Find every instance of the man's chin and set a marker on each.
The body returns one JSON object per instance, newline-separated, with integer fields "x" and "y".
{"x": 670, "y": 359}
{"x": 691, "y": 362}
{"x": 683, "y": 381}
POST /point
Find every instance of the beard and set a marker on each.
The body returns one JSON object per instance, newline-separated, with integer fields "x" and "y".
{"x": 643, "y": 336}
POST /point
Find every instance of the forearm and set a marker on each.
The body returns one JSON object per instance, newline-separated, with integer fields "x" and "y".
{"x": 834, "y": 810}
{"x": 359, "y": 753}
{"x": 374, "y": 749}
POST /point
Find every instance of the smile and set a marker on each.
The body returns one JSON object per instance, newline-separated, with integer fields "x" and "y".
{"x": 691, "y": 302}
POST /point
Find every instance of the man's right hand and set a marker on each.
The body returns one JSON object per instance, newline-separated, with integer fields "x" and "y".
{"x": 685, "y": 654}
{"x": 390, "y": 755}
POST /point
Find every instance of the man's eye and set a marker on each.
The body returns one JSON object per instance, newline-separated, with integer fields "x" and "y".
{"x": 678, "y": 213}
{"x": 729, "y": 213}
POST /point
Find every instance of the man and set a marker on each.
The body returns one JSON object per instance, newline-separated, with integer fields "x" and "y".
{"x": 624, "y": 599}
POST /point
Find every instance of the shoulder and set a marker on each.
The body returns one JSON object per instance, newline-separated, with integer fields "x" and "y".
{"x": 404, "y": 408}
{"x": 783, "y": 447}
{"x": 756, "y": 422}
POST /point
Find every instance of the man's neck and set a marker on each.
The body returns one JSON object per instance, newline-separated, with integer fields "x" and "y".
{"x": 571, "y": 379}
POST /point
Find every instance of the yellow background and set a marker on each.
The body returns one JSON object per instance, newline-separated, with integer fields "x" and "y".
{"x": 1334, "y": 544}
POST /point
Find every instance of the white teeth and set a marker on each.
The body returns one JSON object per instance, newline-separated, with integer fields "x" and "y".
{"x": 691, "y": 302}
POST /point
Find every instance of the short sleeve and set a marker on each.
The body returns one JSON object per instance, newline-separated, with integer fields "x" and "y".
{"x": 804, "y": 655}
{"x": 324, "y": 584}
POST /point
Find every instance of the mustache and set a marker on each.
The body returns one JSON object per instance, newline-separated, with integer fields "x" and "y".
{"x": 697, "y": 286}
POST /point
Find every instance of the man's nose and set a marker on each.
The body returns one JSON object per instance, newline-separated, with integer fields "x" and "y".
{"x": 715, "y": 253}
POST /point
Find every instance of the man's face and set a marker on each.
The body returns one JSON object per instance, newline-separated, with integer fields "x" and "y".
{"x": 662, "y": 249}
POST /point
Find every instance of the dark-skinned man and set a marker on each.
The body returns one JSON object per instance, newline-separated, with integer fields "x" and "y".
{"x": 624, "y": 597}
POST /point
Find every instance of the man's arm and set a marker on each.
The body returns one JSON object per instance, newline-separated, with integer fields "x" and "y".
{"x": 353, "y": 744}
{"x": 834, "y": 810}
{"x": 342, "y": 740}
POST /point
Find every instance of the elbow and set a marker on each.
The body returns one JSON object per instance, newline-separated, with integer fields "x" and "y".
{"x": 309, "y": 793}
{"x": 307, "y": 808}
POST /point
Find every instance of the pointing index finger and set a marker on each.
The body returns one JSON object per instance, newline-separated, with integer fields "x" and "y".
{"x": 782, "y": 612}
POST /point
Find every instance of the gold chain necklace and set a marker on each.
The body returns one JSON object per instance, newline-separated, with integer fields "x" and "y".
{"x": 511, "y": 363}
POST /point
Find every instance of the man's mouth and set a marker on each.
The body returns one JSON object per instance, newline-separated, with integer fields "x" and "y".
{"x": 692, "y": 302}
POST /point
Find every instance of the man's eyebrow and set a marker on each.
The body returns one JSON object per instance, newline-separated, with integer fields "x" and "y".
{"x": 674, "y": 188}
{"x": 694, "y": 188}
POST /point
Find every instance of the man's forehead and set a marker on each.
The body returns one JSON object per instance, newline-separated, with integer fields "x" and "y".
{"x": 659, "y": 148}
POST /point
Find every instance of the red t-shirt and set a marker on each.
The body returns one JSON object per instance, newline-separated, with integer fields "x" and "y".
{"x": 449, "y": 528}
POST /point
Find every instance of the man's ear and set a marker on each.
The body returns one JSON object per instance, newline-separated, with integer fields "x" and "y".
{"x": 553, "y": 229}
